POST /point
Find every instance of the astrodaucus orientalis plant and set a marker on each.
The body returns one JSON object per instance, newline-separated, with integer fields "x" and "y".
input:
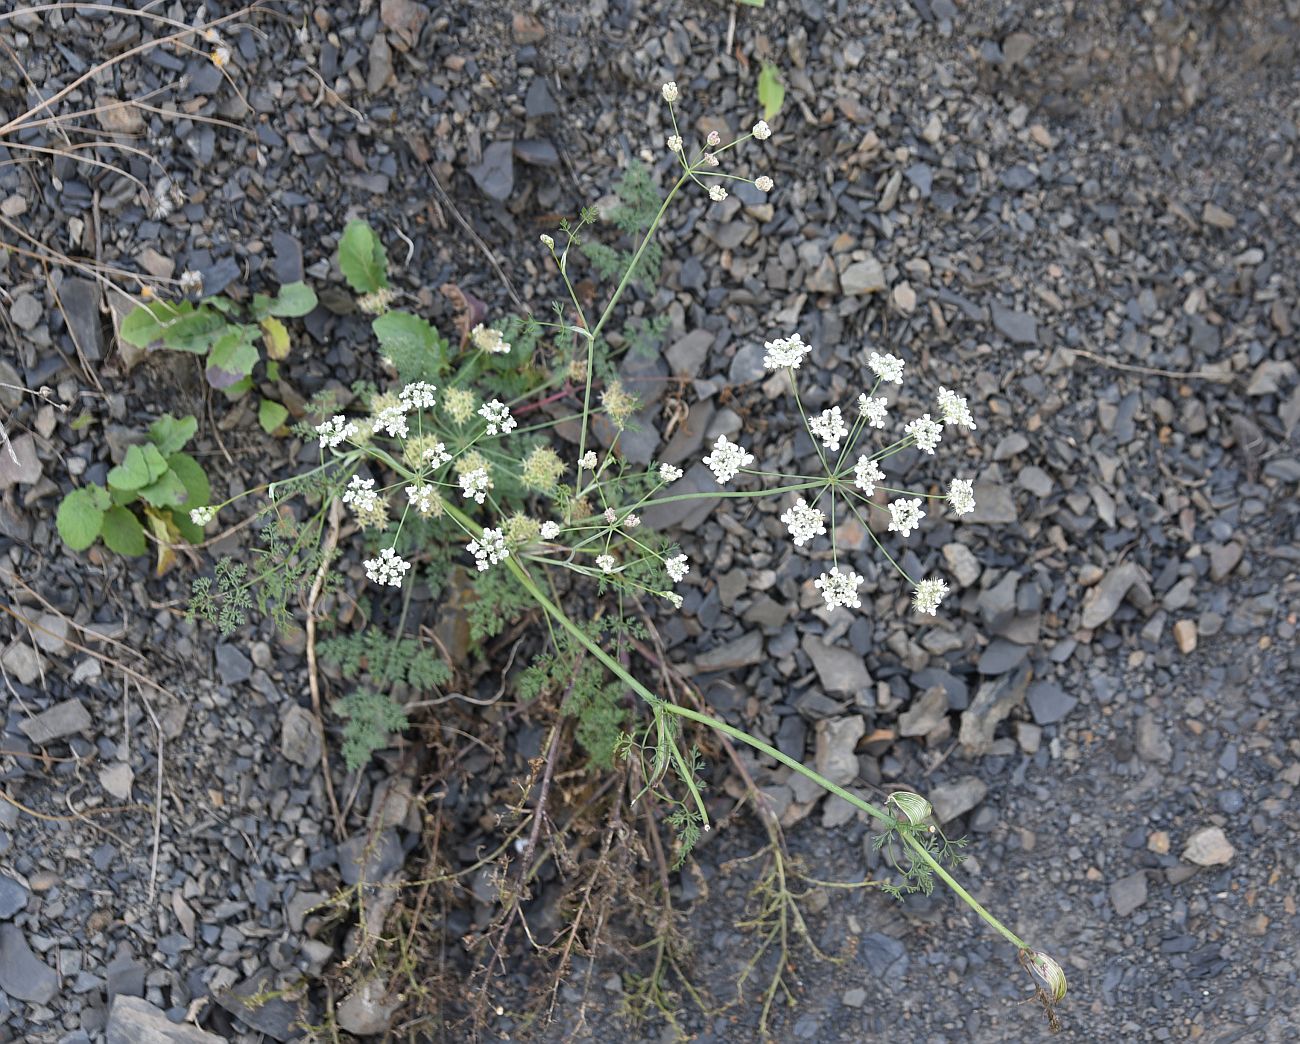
{"x": 460, "y": 465}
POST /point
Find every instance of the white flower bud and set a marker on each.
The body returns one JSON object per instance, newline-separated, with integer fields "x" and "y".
{"x": 670, "y": 91}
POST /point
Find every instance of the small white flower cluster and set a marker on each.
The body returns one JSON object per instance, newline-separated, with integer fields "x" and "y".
{"x": 677, "y": 567}
{"x": 961, "y": 495}
{"x": 785, "y": 352}
{"x": 886, "y": 367}
{"x": 436, "y": 455}
{"x": 606, "y": 563}
{"x": 761, "y": 130}
{"x": 422, "y": 498}
{"x": 489, "y": 339}
{"x": 191, "y": 282}
{"x": 550, "y": 530}
{"x": 829, "y": 427}
{"x": 489, "y": 549}
{"x": 866, "y": 473}
{"x": 201, "y": 516}
{"x": 804, "y": 522}
{"x": 418, "y": 396}
{"x": 587, "y": 462}
{"x": 674, "y": 143}
{"x": 670, "y": 91}
{"x": 873, "y": 409}
{"x": 954, "y": 410}
{"x": 475, "y": 484}
{"x": 717, "y": 193}
{"x": 392, "y": 422}
{"x": 928, "y": 595}
{"x": 497, "y": 415}
{"x": 361, "y": 494}
{"x": 389, "y": 568}
{"x": 727, "y": 459}
{"x": 926, "y": 432}
{"x": 763, "y": 183}
{"x": 840, "y": 588}
{"x": 336, "y": 431}
{"x": 668, "y": 473}
{"x": 905, "y": 515}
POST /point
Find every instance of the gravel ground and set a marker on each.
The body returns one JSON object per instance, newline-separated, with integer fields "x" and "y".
{"x": 1082, "y": 216}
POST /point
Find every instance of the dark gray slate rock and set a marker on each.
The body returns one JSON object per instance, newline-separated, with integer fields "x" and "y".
{"x": 1018, "y": 327}
{"x": 495, "y": 176}
{"x": 368, "y": 858}
{"x": 1049, "y": 703}
{"x": 135, "y": 1021}
{"x": 23, "y": 975}
{"x": 80, "y": 301}
{"x": 13, "y": 897}
{"x": 69, "y": 718}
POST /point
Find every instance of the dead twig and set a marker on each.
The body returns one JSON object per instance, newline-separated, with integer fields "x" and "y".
{"x": 1150, "y": 371}
{"x": 313, "y": 679}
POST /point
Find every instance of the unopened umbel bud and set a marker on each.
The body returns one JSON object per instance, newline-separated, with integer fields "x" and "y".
{"x": 914, "y": 807}
{"x": 1048, "y": 972}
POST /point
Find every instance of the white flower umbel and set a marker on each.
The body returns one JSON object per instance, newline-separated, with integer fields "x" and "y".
{"x": 335, "y": 431}
{"x": 419, "y": 396}
{"x": 677, "y": 567}
{"x": 961, "y": 495}
{"x": 763, "y": 183}
{"x": 926, "y": 432}
{"x": 840, "y": 588}
{"x": 886, "y": 367}
{"x": 588, "y": 461}
{"x": 830, "y": 428}
{"x": 717, "y": 193}
{"x": 489, "y": 549}
{"x": 928, "y": 595}
{"x": 726, "y": 460}
{"x": 392, "y": 421}
{"x": 201, "y": 516}
{"x": 954, "y": 410}
{"x": 550, "y": 530}
{"x": 668, "y": 473}
{"x": 674, "y": 143}
{"x": 497, "y": 415}
{"x": 436, "y": 455}
{"x": 605, "y": 563}
{"x": 475, "y": 484}
{"x": 191, "y": 282}
{"x": 761, "y": 130}
{"x": 361, "y": 494}
{"x": 422, "y": 498}
{"x": 866, "y": 473}
{"x": 905, "y": 515}
{"x": 389, "y": 568}
{"x": 873, "y": 409}
{"x": 489, "y": 339}
{"x": 804, "y": 522}
{"x": 674, "y": 598}
{"x": 785, "y": 352}
{"x": 670, "y": 91}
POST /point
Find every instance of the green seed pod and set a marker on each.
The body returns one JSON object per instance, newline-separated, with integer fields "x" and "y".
{"x": 914, "y": 807}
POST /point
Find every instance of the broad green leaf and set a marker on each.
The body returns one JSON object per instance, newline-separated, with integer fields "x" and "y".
{"x": 233, "y": 357}
{"x": 272, "y": 370}
{"x": 180, "y": 519}
{"x": 237, "y": 389}
{"x": 261, "y": 307}
{"x": 142, "y": 466}
{"x": 168, "y": 491}
{"x": 293, "y": 300}
{"x": 415, "y": 348}
{"x": 362, "y": 259}
{"x": 275, "y": 337}
{"x": 181, "y": 326}
{"x": 271, "y": 415}
{"x": 197, "y": 488}
{"x": 81, "y": 516}
{"x": 170, "y": 433}
{"x": 771, "y": 92}
{"x": 123, "y": 533}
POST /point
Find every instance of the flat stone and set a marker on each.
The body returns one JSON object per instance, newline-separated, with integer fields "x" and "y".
{"x": 1000, "y": 657}
{"x": 25, "y": 312}
{"x": 835, "y": 756}
{"x": 299, "y": 737}
{"x": 1018, "y": 327}
{"x": 962, "y": 563}
{"x": 495, "y": 176}
{"x": 1128, "y": 893}
{"x": 372, "y": 859}
{"x": 1152, "y": 744}
{"x": 824, "y": 279}
{"x": 22, "y": 661}
{"x": 1209, "y": 846}
{"x": 1185, "y": 636}
{"x": 685, "y": 514}
{"x": 117, "y": 779}
{"x": 538, "y": 101}
{"x": 742, "y": 652}
{"x": 994, "y": 505}
{"x": 1049, "y": 703}
{"x": 1224, "y": 558}
{"x": 1110, "y": 593}
{"x": 380, "y": 69}
{"x": 23, "y": 975}
{"x": 233, "y": 667}
{"x": 537, "y": 152}
{"x": 992, "y": 703}
{"x": 13, "y": 897}
{"x": 368, "y": 1009}
{"x": 688, "y": 354}
{"x": 132, "y": 1020}
{"x": 838, "y": 669}
{"x": 925, "y": 714}
{"x": 1216, "y": 217}
{"x": 51, "y": 634}
{"x": 863, "y": 277}
{"x": 68, "y": 718}
{"x": 80, "y": 300}
{"x": 275, "y": 1017}
{"x": 954, "y": 799}
{"x": 125, "y": 977}
{"x": 26, "y": 470}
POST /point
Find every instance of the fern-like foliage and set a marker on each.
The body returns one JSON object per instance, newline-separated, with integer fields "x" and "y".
{"x": 387, "y": 660}
{"x": 500, "y": 600}
{"x": 370, "y": 716}
{"x": 638, "y": 204}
